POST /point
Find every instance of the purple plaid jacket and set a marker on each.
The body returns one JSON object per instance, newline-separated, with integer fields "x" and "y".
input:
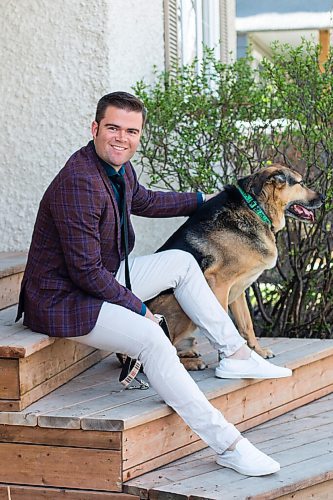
{"x": 76, "y": 246}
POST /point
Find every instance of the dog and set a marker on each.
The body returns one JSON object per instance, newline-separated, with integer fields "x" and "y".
{"x": 232, "y": 237}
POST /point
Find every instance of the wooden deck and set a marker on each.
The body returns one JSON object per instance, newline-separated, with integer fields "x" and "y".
{"x": 301, "y": 440}
{"x": 89, "y": 439}
{"x": 92, "y": 434}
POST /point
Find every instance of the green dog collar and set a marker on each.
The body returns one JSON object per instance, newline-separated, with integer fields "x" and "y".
{"x": 253, "y": 204}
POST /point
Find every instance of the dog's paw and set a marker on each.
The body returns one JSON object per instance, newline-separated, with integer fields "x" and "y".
{"x": 193, "y": 364}
{"x": 263, "y": 352}
{"x": 187, "y": 348}
{"x": 189, "y": 353}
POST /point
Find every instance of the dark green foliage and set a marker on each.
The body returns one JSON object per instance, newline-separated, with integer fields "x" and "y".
{"x": 206, "y": 129}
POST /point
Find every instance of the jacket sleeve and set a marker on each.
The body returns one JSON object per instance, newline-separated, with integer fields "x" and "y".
{"x": 76, "y": 207}
{"x": 147, "y": 203}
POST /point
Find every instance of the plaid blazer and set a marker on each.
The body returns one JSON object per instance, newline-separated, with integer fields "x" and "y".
{"x": 76, "y": 245}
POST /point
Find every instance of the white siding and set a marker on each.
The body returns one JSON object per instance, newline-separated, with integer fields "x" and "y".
{"x": 228, "y": 33}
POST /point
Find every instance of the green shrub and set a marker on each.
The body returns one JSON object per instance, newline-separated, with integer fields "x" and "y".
{"x": 206, "y": 129}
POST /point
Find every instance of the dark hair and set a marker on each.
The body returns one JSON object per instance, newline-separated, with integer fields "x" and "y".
{"x": 120, "y": 100}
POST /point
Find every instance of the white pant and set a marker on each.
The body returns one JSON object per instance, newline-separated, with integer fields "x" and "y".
{"x": 120, "y": 330}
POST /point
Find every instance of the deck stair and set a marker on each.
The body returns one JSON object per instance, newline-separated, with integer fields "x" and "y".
{"x": 90, "y": 434}
{"x": 31, "y": 364}
{"x": 301, "y": 440}
{"x": 12, "y": 265}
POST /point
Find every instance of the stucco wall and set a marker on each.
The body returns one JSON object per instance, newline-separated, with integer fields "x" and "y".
{"x": 58, "y": 58}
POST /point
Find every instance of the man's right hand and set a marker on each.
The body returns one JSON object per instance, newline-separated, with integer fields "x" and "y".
{"x": 150, "y": 315}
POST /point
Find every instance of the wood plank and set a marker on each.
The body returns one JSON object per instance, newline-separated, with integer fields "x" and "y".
{"x": 8, "y": 331}
{"x": 280, "y": 410}
{"x": 198, "y": 463}
{"x": 37, "y": 493}
{"x": 48, "y": 386}
{"x": 105, "y": 372}
{"x": 144, "y": 442}
{"x": 77, "y": 416}
{"x": 324, "y": 43}
{"x": 161, "y": 460}
{"x": 10, "y": 289}
{"x": 47, "y": 363}
{"x": 319, "y": 491}
{"x": 12, "y": 263}
{"x": 298, "y": 433}
{"x": 81, "y": 389}
{"x": 283, "y": 345}
{"x": 20, "y": 376}
{"x": 317, "y": 407}
{"x": 18, "y": 342}
{"x": 60, "y": 437}
{"x": 18, "y": 418}
{"x": 9, "y": 379}
{"x": 308, "y": 353}
{"x": 60, "y": 466}
{"x": 129, "y": 415}
{"x": 8, "y": 315}
{"x": 87, "y": 401}
{"x": 293, "y": 478}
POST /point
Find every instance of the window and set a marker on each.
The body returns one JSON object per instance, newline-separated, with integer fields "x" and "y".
{"x": 191, "y": 24}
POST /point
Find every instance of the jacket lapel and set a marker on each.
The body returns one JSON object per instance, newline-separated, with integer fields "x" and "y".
{"x": 110, "y": 191}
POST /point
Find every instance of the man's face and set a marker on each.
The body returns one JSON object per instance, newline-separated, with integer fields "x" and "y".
{"x": 117, "y": 136}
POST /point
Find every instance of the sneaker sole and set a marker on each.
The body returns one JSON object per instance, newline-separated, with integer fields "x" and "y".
{"x": 247, "y": 472}
{"x": 221, "y": 374}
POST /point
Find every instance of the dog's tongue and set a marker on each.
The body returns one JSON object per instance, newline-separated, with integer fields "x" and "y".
{"x": 303, "y": 212}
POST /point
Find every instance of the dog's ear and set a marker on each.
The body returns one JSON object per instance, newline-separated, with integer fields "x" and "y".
{"x": 256, "y": 182}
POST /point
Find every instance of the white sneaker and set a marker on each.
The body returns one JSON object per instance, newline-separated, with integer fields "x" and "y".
{"x": 248, "y": 460}
{"x": 254, "y": 367}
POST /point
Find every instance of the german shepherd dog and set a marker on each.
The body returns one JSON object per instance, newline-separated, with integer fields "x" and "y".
{"x": 232, "y": 237}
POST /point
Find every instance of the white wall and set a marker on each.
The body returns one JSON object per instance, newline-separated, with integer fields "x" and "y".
{"x": 58, "y": 58}
{"x": 136, "y": 41}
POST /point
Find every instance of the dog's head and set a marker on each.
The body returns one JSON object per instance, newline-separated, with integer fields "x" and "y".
{"x": 281, "y": 191}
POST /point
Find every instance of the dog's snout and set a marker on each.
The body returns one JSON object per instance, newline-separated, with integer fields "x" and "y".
{"x": 322, "y": 197}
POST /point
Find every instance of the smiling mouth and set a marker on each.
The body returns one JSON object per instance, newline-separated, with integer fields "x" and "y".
{"x": 118, "y": 148}
{"x": 300, "y": 212}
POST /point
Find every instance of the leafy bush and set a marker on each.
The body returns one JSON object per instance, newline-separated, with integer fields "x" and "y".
{"x": 206, "y": 129}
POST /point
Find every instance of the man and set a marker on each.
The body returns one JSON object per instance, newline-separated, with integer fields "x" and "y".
{"x": 74, "y": 280}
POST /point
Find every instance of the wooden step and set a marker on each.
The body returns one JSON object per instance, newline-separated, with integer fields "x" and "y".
{"x": 33, "y": 364}
{"x": 97, "y": 435}
{"x": 301, "y": 440}
{"x": 10, "y": 492}
{"x": 12, "y": 265}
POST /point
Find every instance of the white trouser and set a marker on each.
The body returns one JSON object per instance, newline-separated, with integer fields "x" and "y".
{"x": 120, "y": 330}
